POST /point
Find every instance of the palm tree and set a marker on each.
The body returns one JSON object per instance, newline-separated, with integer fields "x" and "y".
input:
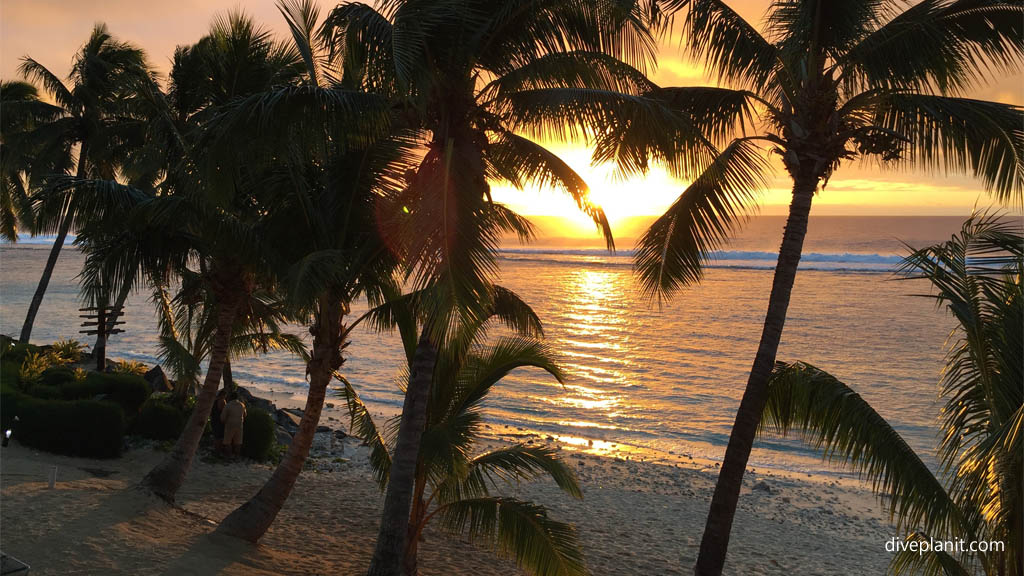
{"x": 19, "y": 156}
{"x": 333, "y": 162}
{"x": 211, "y": 214}
{"x": 451, "y": 484}
{"x": 829, "y": 82}
{"x": 103, "y": 73}
{"x": 464, "y": 72}
{"x": 977, "y": 276}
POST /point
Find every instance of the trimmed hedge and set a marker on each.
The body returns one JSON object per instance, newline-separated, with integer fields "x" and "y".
{"x": 58, "y": 376}
{"x": 259, "y": 432}
{"x": 10, "y": 399}
{"x": 159, "y": 420}
{"x": 9, "y": 373}
{"x": 127, "y": 390}
{"x": 77, "y": 428}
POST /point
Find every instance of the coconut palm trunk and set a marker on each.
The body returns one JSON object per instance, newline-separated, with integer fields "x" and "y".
{"x": 389, "y": 554}
{"x": 715, "y": 541}
{"x": 419, "y": 512}
{"x": 51, "y": 260}
{"x": 252, "y": 519}
{"x": 167, "y": 477}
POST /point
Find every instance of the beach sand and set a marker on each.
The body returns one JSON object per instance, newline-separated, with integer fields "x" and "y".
{"x": 636, "y": 518}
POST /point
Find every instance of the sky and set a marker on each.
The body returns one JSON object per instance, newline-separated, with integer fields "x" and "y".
{"x": 52, "y": 30}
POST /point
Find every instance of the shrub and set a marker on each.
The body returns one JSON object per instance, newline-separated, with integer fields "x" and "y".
{"x": 46, "y": 391}
{"x": 10, "y": 398}
{"x": 32, "y": 368}
{"x": 127, "y": 390}
{"x": 57, "y": 376}
{"x": 131, "y": 367}
{"x": 160, "y": 420}
{"x": 258, "y": 434}
{"x": 9, "y": 373}
{"x": 66, "y": 351}
{"x": 16, "y": 351}
{"x": 77, "y": 428}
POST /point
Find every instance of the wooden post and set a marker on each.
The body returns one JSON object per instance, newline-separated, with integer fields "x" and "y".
{"x": 105, "y": 318}
{"x": 101, "y": 339}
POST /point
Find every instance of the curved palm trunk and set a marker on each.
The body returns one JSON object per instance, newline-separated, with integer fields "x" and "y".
{"x": 394, "y": 524}
{"x": 51, "y": 260}
{"x": 252, "y": 519}
{"x": 715, "y": 542}
{"x": 44, "y": 280}
{"x": 166, "y": 478}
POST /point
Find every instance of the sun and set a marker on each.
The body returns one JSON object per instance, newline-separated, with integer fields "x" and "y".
{"x": 625, "y": 200}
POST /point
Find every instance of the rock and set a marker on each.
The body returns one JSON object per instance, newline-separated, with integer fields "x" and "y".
{"x": 762, "y": 486}
{"x": 329, "y": 404}
{"x": 340, "y": 434}
{"x": 157, "y": 379}
{"x": 283, "y": 437}
{"x": 288, "y": 418}
{"x": 255, "y": 402}
{"x": 322, "y": 429}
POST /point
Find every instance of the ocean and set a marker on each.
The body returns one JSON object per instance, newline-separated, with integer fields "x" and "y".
{"x": 647, "y": 379}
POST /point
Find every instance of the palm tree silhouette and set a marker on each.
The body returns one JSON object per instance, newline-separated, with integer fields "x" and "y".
{"x": 829, "y": 82}
{"x": 976, "y": 276}
{"x": 92, "y": 116}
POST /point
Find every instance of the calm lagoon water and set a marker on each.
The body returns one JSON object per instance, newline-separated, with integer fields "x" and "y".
{"x": 658, "y": 380}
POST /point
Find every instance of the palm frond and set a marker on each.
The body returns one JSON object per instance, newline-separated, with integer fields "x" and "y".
{"x": 520, "y": 161}
{"x": 958, "y": 135}
{"x": 838, "y": 422}
{"x": 361, "y": 424}
{"x": 939, "y": 45}
{"x": 673, "y": 251}
{"x": 523, "y": 462}
{"x": 730, "y": 47}
{"x": 518, "y": 530}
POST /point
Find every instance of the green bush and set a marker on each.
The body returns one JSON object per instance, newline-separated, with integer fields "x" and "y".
{"x": 159, "y": 420}
{"x": 9, "y": 373}
{"x": 77, "y": 428}
{"x": 10, "y": 399}
{"x": 258, "y": 434}
{"x": 32, "y": 368}
{"x": 46, "y": 391}
{"x": 14, "y": 351}
{"x": 127, "y": 390}
{"x": 58, "y": 376}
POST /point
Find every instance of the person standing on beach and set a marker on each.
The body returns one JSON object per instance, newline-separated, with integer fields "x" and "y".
{"x": 233, "y": 417}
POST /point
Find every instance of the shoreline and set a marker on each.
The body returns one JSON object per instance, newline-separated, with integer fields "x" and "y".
{"x": 335, "y": 415}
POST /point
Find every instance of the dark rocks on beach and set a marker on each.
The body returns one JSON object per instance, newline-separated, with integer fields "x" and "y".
{"x": 255, "y": 402}
{"x": 157, "y": 379}
{"x": 340, "y": 434}
{"x": 322, "y": 429}
{"x": 289, "y": 418}
{"x": 762, "y": 486}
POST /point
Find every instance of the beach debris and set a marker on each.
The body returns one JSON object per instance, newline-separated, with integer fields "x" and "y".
{"x": 157, "y": 379}
{"x": 762, "y": 486}
{"x": 53, "y": 477}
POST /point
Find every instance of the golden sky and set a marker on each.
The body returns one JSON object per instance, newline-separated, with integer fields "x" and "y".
{"x": 52, "y": 30}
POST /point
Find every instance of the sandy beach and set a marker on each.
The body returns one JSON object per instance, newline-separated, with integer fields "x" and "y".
{"x": 636, "y": 518}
